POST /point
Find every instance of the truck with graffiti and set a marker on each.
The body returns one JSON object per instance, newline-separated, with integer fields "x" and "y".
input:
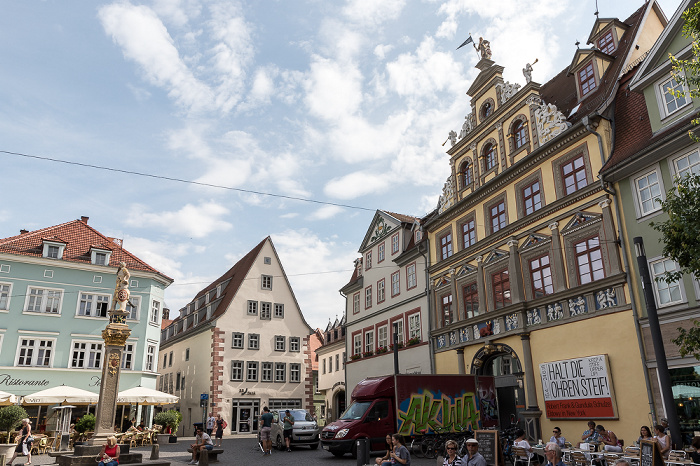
{"x": 411, "y": 404}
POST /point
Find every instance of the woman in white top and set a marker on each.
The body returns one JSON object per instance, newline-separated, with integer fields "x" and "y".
{"x": 525, "y": 445}
{"x": 663, "y": 440}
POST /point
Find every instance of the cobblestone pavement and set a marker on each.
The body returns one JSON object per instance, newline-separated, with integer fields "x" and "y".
{"x": 240, "y": 450}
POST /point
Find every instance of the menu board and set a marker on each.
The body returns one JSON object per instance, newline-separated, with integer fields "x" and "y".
{"x": 489, "y": 447}
{"x": 649, "y": 454}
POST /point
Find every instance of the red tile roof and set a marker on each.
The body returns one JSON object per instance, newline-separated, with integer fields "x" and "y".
{"x": 78, "y": 237}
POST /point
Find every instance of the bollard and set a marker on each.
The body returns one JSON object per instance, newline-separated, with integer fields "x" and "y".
{"x": 3, "y": 459}
{"x": 155, "y": 451}
{"x": 203, "y": 457}
{"x": 362, "y": 448}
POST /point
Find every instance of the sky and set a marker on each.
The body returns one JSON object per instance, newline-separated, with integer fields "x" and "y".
{"x": 344, "y": 103}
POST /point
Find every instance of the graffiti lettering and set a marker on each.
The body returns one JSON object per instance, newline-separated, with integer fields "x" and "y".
{"x": 426, "y": 412}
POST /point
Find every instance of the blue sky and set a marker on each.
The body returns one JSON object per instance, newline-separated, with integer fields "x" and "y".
{"x": 342, "y": 102}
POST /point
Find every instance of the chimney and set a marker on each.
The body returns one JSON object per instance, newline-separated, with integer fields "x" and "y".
{"x": 166, "y": 313}
{"x": 84, "y": 219}
{"x": 23, "y": 231}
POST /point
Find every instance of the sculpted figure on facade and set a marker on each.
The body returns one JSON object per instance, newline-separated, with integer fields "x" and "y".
{"x": 467, "y": 126}
{"x": 452, "y": 137}
{"x": 484, "y": 48}
{"x": 550, "y": 122}
{"x": 447, "y": 199}
{"x": 507, "y": 90}
{"x": 577, "y": 306}
{"x": 527, "y": 71}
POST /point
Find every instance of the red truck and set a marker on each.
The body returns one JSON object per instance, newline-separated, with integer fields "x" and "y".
{"x": 409, "y": 405}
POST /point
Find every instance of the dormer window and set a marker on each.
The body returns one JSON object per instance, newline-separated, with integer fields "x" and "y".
{"x": 586, "y": 79}
{"x": 606, "y": 44}
{"x": 100, "y": 256}
{"x": 53, "y": 249}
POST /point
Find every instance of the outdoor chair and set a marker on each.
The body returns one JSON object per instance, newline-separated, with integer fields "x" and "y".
{"x": 523, "y": 457}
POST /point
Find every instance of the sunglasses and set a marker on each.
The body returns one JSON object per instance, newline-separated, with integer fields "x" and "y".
{"x": 556, "y": 431}
{"x": 451, "y": 448}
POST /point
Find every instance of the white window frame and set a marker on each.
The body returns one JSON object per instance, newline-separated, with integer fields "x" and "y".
{"x": 357, "y": 344}
{"x": 96, "y": 252}
{"x": 280, "y": 343}
{"x": 383, "y": 336}
{"x": 128, "y": 356}
{"x": 267, "y": 371}
{"x": 43, "y": 302}
{"x": 237, "y": 368}
{"x": 252, "y": 308}
{"x": 92, "y": 301}
{"x": 660, "y": 91}
{"x": 282, "y": 372}
{"x": 251, "y": 371}
{"x": 5, "y": 296}
{"x": 414, "y": 329}
{"x": 380, "y": 253}
{"x": 266, "y": 282}
{"x": 135, "y": 309}
{"x": 634, "y": 184}
{"x": 151, "y": 357}
{"x": 35, "y": 350}
{"x": 337, "y": 362}
{"x": 330, "y": 364}
{"x": 253, "y": 341}
{"x": 356, "y": 303}
{"x": 265, "y": 310}
{"x": 369, "y": 341}
{"x": 368, "y": 297}
{"x": 154, "y": 316}
{"x": 411, "y": 276}
{"x": 381, "y": 290}
{"x": 294, "y": 344}
{"x": 394, "y": 243}
{"x": 395, "y": 284}
{"x": 294, "y": 372}
{"x": 46, "y": 248}
{"x": 237, "y": 339}
{"x": 368, "y": 260}
{"x": 673, "y": 162}
{"x": 278, "y": 310}
{"x": 92, "y": 354}
{"x": 324, "y": 365}
{"x": 401, "y": 332}
{"x": 658, "y": 286}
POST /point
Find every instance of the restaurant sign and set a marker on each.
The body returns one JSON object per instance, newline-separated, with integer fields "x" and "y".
{"x": 578, "y": 388}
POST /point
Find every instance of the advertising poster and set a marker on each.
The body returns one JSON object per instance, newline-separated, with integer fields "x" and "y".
{"x": 578, "y": 388}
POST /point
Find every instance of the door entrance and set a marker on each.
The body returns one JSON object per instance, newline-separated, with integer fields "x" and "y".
{"x": 244, "y": 415}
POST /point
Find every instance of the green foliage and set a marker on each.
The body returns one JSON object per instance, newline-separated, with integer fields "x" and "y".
{"x": 86, "y": 424}
{"x": 11, "y": 416}
{"x": 171, "y": 418}
{"x": 682, "y": 244}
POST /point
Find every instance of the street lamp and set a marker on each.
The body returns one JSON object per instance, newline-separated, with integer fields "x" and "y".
{"x": 657, "y": 340}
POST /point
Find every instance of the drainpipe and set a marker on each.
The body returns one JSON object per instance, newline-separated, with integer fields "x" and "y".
{"x": 611, "y": 191}
{"x": 431, "y": 351}
{"x": 345, "y": 372}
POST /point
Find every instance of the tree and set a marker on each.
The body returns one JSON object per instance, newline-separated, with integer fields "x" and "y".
{"x": 687, "y": 71}
{"x": 10, "y": 417}
{"x": 681, "y": 238}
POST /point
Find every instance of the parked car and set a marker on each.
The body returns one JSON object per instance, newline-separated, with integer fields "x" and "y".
{"x": 304, "y": 432}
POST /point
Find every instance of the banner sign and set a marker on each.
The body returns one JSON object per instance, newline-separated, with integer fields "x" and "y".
{"x": 578, "y": 388}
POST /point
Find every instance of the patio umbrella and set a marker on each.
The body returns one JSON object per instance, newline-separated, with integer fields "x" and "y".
{"x": 61, "y": 394}
{"x": 7, "y": 398}
{"x": 146, "y": 396}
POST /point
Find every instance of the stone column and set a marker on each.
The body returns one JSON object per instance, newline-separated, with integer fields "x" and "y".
{"x": 477, "y": 167}
{"x": 502, "y": 146}
{"x": 515, "y": 273}
{"x": 481, "y": 286}
{"x": 557, "y": 259}
{"x": 532, "y": 413}
{"x": 455, "y": 298}
{"x": 114, "y": 336}
{"x": 610, "y": 238}
{"x": 460, "y": 361}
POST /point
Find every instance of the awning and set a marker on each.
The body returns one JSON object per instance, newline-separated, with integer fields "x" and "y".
{"x": 146, "y": 396}
{"x": 7, "y": 398}
{"x": 61, "y": 394}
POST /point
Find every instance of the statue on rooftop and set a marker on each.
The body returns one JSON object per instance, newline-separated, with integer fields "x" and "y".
{"x": 527, "y": 71}
{"x": 484, "y": 48}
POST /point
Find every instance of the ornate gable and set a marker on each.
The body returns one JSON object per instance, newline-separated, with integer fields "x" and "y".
{"x": 381, "y": 226}
{"x": 495, "y": 256}
{"x": 533, "y": 241}
{"x": 581, "y": 220}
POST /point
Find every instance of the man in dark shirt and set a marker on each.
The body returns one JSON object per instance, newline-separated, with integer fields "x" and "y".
{"x": 266, "y": 418}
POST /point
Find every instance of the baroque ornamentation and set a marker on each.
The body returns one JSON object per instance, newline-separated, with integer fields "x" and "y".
{"x": 507, "y": 90}
{"x": 554, "y": 312}
{"x": 468, "y": 125}
{"x": 452, "y": 136}
{"x": 534, "y": 317}
{"x": 447, "y": 199}
{"x": 441, "y": 341}
{"x": 453, "y": 338}
{"x": 381, "y": 229}
{"x": 464, "y": 334}
{"x": 511, "y": 322}
{"x": 550, "y": 122}
{"x": 113, "y": 363}
{"x": 115, "y": 336}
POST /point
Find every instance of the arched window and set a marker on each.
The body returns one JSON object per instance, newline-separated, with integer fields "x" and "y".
{"x": 465, "y": 175}
{"x": 489, "y": 156}
{"x": 519, "y": 134}
{"x": 486, "y": 110}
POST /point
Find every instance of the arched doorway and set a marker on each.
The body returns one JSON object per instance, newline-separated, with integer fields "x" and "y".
{"x": 502, "y": 362}
{"x": 338, "y": 404}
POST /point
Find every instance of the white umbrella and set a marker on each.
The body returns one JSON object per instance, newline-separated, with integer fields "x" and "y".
{"x": 146, "y": 396}
{"x": 61, "y": 394}
{"x": 7, "y": 398}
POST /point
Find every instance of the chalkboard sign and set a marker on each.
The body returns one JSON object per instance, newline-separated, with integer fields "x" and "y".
{"x": 489, "y": 447}
{"x": 649, "y": 454}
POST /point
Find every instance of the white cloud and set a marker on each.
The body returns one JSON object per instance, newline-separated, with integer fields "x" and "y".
{"x": 326, "y": 212}
{"x": 357, "y": 184}
{"x": 145, "y": 40}
{"x": 315, "y": 286}
{"x": 196, "y": 221}
{"x": 333, "y": 91}
{"x": 381, "y": 50}
{"x": 372, "y": 12}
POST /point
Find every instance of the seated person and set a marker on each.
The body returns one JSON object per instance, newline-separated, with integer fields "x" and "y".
{"x": 109, "y": 456}
{"x": 557, "y": 437}
{"x": 609, "y": 439}
{"x": 201, "y": 441}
